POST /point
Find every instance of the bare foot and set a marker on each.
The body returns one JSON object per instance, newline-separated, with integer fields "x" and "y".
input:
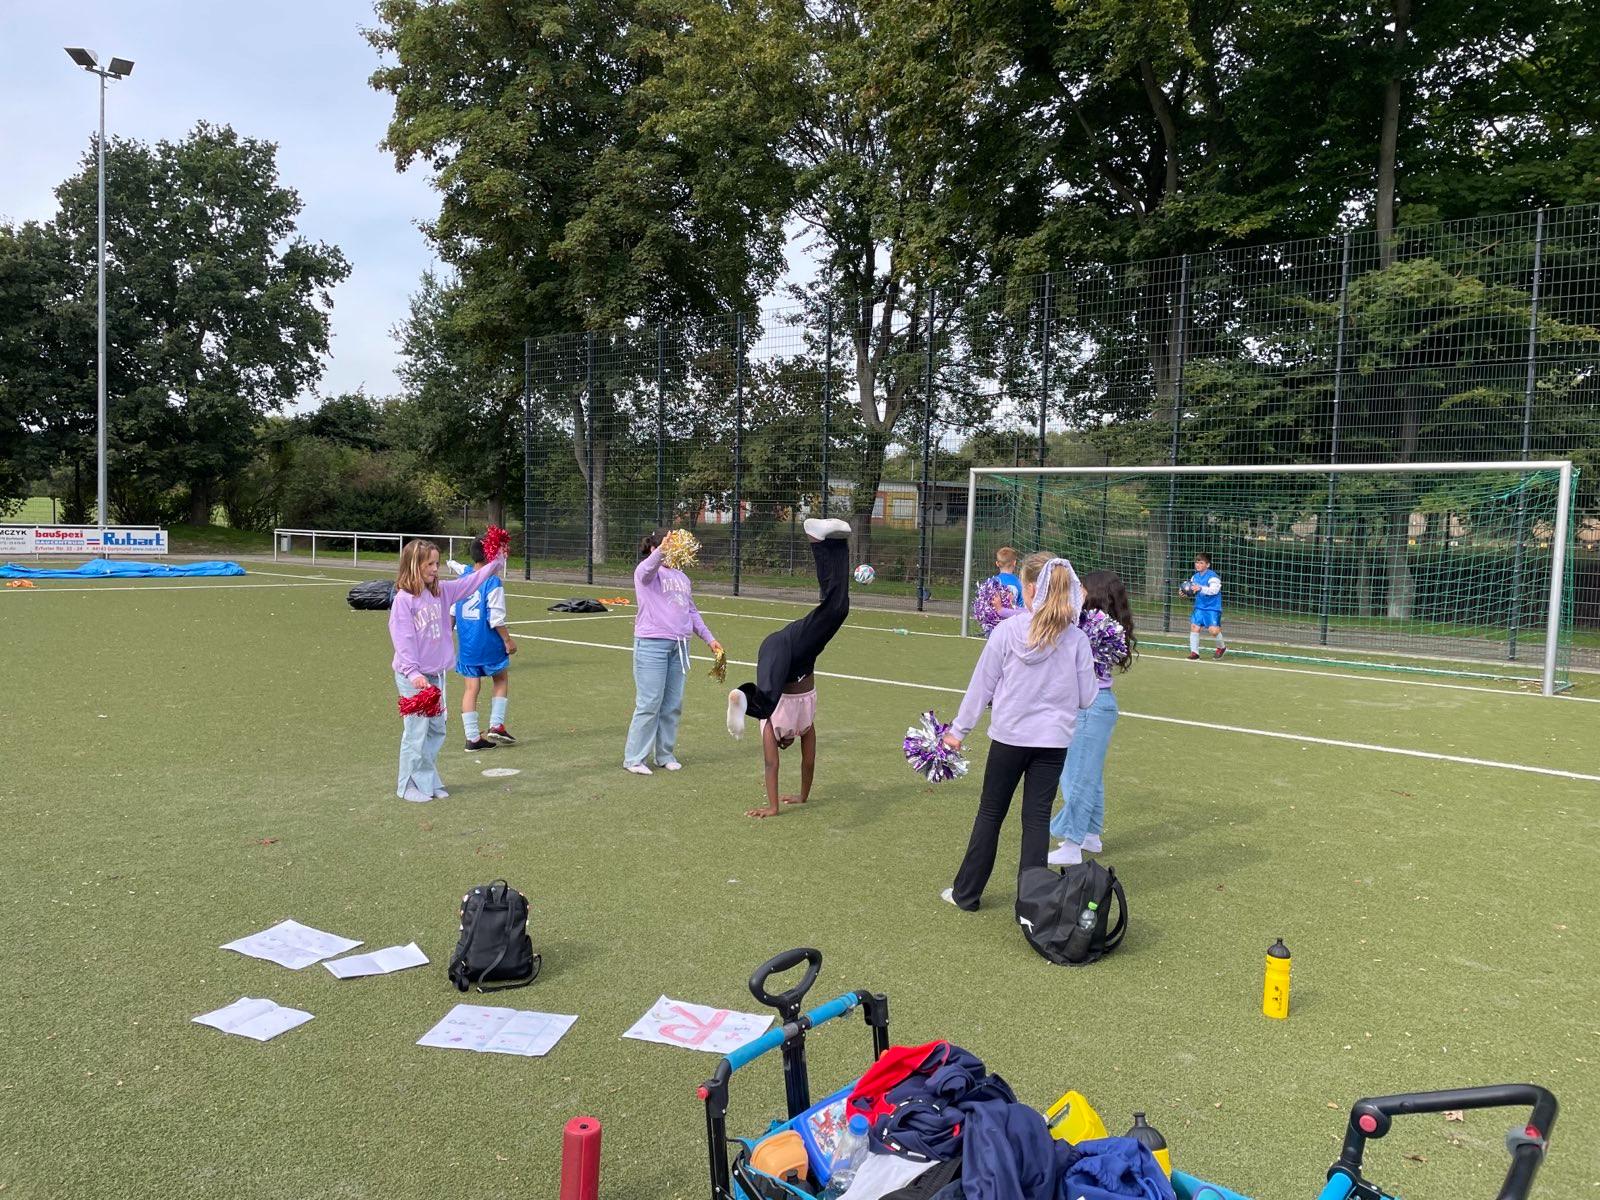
{"x": 791, "y": 800}
{"x": 761, "y": 813}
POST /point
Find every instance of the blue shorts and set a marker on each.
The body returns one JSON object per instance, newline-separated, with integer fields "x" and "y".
{"x": 1206, "y": 617}
{"x": 472, "y": 671}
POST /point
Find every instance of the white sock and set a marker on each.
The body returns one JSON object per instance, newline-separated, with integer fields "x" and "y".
{"x": 497, "y": 711}
{"x": 1220, "y": 643}
{"x": 1194, "y": 642}
{"x": 469, "y": 722}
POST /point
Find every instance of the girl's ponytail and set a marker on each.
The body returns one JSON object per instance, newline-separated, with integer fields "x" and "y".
{"x": 1057, "y": 600}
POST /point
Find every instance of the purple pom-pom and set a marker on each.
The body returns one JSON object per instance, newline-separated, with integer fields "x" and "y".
{"x": 1108, "y": 641}
{"x": 985, "y": 611}
{"x": 927, "y": 753}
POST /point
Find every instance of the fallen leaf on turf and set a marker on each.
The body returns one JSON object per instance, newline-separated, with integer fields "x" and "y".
{"x": 1333, "y": 1106}
{"x": 269, "y": 841}
{"x": 501, "y": 1158}
{"x": 1455, "y": 1114}
{"x": 1415, "y": 1158}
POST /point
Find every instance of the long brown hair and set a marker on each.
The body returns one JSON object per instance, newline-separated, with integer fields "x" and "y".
{"x": 1058, "y": 613}
{"x": 1106, "y": 591}
{"x": 412, "y": 556}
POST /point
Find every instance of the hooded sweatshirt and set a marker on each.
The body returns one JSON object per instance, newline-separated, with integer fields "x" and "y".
{"x": 1037, "y": 691}
{"x": 666, "y": 602}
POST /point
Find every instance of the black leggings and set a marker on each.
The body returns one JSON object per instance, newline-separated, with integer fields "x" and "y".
{"x": 1039, "y": 769}
{"x": 790, "y": 654}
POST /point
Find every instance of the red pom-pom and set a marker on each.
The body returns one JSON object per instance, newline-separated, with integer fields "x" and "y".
{"x": 429, "y": 702}
{"x": 495, "y": 542}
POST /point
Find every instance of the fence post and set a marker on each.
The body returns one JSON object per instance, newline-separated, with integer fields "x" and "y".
{"x": 827, "y": 402}
{"x": 588, "y": 456}
{"x": 1514, "y": 609}
{"x": 1333, "y": 438}
{"x": 527, "y": 458}
{"x": 661, "y": 424}
{"x": 925, "y": 509}
{"x": 1172, "y": 453}
{"x": 1044, "y": 412}
{"x": 738, "y": 439}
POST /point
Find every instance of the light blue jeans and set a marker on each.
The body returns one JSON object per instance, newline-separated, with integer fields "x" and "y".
{"x": 1083, "y": 782}
{"x": 659, "y": 665}
{"x": 421, "y": 739}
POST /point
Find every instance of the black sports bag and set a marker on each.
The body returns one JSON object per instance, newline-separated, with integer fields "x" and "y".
{"x": 374, "y": 594}
{"x": 494, "y": 947}
{"x": 1066, "y": 915}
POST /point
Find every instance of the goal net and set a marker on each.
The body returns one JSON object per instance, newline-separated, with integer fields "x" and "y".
{"x": 1458, "y": 568}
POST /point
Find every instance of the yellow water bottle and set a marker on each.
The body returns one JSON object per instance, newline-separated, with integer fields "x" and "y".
{"x": 1275, "y": 991}
{"x": 1150, "y": 1136}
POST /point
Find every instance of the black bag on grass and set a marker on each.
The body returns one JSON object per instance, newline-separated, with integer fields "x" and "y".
{"x": 1066, "y": 915}
{"x": 494, "y": 947}
{"x": 578, "y": 606}
{"x": 374, "y": 594}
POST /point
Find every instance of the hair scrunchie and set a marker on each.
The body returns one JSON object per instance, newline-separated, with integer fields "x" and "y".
{"x": 1075, "y": 589}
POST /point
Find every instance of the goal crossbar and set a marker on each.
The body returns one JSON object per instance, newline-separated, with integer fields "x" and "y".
{"x": 1559, "y": 547}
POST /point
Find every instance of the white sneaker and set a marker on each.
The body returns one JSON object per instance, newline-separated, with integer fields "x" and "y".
{"x": 675, "y": 765}
{"x": 441, "y": 794}
{"x": 637, "y": 769}
{"x": 949, "y": 896}
{"x": 737, "y": 707}
{"x": 415, "y": 796}
{"x": 1065, "y": 855}
{"x": 819, "y": 528}
{"x": 1091, "y": 843}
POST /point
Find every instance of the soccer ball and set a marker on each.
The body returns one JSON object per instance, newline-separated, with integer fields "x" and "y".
{"x": 865, "y": 574}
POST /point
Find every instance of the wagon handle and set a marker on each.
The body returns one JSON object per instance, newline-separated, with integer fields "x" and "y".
{"x": 1371, "y": 1117}
{"x": 787, "y": 1003}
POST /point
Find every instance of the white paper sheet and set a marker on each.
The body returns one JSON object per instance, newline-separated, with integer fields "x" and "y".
{"x": 379, "y": 962}
{"x": 498, "y": 1031}
{"x": 291, "y": 944}
{"x": 261, "y": 1020}
{"x": 697, "y": 1027}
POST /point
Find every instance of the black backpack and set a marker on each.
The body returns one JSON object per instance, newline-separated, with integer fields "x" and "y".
{"x": 374, "y": 594}
{"x": 1066, "y": 915}
{"x": 494, "y": 945}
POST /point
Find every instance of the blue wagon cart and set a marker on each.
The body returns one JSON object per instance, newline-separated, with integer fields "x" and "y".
{"x": 1370, "y": 1118}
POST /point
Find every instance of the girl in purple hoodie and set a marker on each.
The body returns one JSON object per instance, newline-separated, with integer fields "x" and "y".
{"x": 419, "y": 627}
{"x": 661, "y": 629}
{"x": 1038, "y": 670}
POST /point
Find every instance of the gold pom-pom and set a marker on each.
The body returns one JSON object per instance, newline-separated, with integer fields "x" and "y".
{"x": 678, "y": 549}
{"x": 719, "y": 667}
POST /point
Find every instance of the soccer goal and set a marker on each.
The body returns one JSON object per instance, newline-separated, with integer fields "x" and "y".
{"x": 1443, "y": 568}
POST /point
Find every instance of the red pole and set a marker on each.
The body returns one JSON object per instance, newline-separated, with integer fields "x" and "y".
{"x": 580, "y": 1159}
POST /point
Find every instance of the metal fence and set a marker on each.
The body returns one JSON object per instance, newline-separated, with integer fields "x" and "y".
{"x": 1445, "y": 342}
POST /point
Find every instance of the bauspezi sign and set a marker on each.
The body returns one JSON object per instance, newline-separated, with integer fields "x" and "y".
{"x": 82, "y": 539}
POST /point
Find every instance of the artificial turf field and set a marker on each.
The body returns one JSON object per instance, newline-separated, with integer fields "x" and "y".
{"x": 188, "y": 762}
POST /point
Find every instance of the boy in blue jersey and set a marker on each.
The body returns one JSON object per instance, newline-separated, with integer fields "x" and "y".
{"x": 1205, "y": 586}
{"x": 1005, "y": 567}
{"x": 484, "y": 648}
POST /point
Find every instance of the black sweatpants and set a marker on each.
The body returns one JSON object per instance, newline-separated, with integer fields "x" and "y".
{"x": 1039, "y": 769}
{"x": 790, "y": 654}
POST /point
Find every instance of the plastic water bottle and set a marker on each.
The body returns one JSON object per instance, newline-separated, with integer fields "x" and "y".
{"x": 848, "y": 1154}
{"x": 1275, "y": 987}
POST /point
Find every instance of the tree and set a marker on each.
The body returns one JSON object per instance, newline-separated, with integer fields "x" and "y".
{"x": 562, "y": 206}
{"x": 217, "y": 312}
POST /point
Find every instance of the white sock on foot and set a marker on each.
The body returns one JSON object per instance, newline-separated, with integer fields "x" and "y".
{"x": 737, "y": 707}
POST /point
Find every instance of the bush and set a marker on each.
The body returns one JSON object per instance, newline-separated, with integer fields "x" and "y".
{"x": 382, "y": 506}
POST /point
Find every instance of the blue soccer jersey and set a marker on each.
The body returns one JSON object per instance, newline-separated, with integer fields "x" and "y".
{"x": 1013, "y": 585}
{"x": 1207, "y": 598}
{"x": 478, "y": 618}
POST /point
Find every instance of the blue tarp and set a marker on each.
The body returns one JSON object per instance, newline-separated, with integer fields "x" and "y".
{"x": 105, "y": 568}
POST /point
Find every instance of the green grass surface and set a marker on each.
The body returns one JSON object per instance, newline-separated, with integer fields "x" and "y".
{"x": 187, "y": 763}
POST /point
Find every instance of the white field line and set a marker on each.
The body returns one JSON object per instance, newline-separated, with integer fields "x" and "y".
{"x": 1240, "y": 729}
{"x": 172, "y": 587}
{"x": 610, "y": 616}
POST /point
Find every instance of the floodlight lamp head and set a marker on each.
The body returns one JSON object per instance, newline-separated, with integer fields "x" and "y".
{"x": 121, "y": 68}
{"x": 84, "y": 58}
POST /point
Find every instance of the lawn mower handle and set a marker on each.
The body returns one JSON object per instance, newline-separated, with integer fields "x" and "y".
{"x": 1371, "y": 1117}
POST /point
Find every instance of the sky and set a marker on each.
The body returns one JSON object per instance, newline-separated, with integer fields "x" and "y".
{"x": 293, "y": 72}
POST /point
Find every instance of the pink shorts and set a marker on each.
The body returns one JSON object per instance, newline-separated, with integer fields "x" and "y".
{"x": 795, "y": 714}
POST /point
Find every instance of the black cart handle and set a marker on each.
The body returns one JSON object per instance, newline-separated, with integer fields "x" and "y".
{"x": 787, "y": 1003}
{"x": 1371, "y": 1117}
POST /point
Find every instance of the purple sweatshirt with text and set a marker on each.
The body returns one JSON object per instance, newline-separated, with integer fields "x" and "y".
{"x": 1037, "y": 691}
{"x": 419, "y": 626}
{"x": 666, "y": 603}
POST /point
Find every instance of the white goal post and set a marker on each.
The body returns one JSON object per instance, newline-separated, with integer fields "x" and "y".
{"x": 1554, "y": 527}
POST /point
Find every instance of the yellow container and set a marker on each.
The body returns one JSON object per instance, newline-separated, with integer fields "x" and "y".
{"x": 1073, "y": 1119}
{"x": 1275, "y": 988}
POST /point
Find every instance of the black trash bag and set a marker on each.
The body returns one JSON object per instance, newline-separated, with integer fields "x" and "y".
{"x": 578, "y": 606}
{"x": 375, "y": 594}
